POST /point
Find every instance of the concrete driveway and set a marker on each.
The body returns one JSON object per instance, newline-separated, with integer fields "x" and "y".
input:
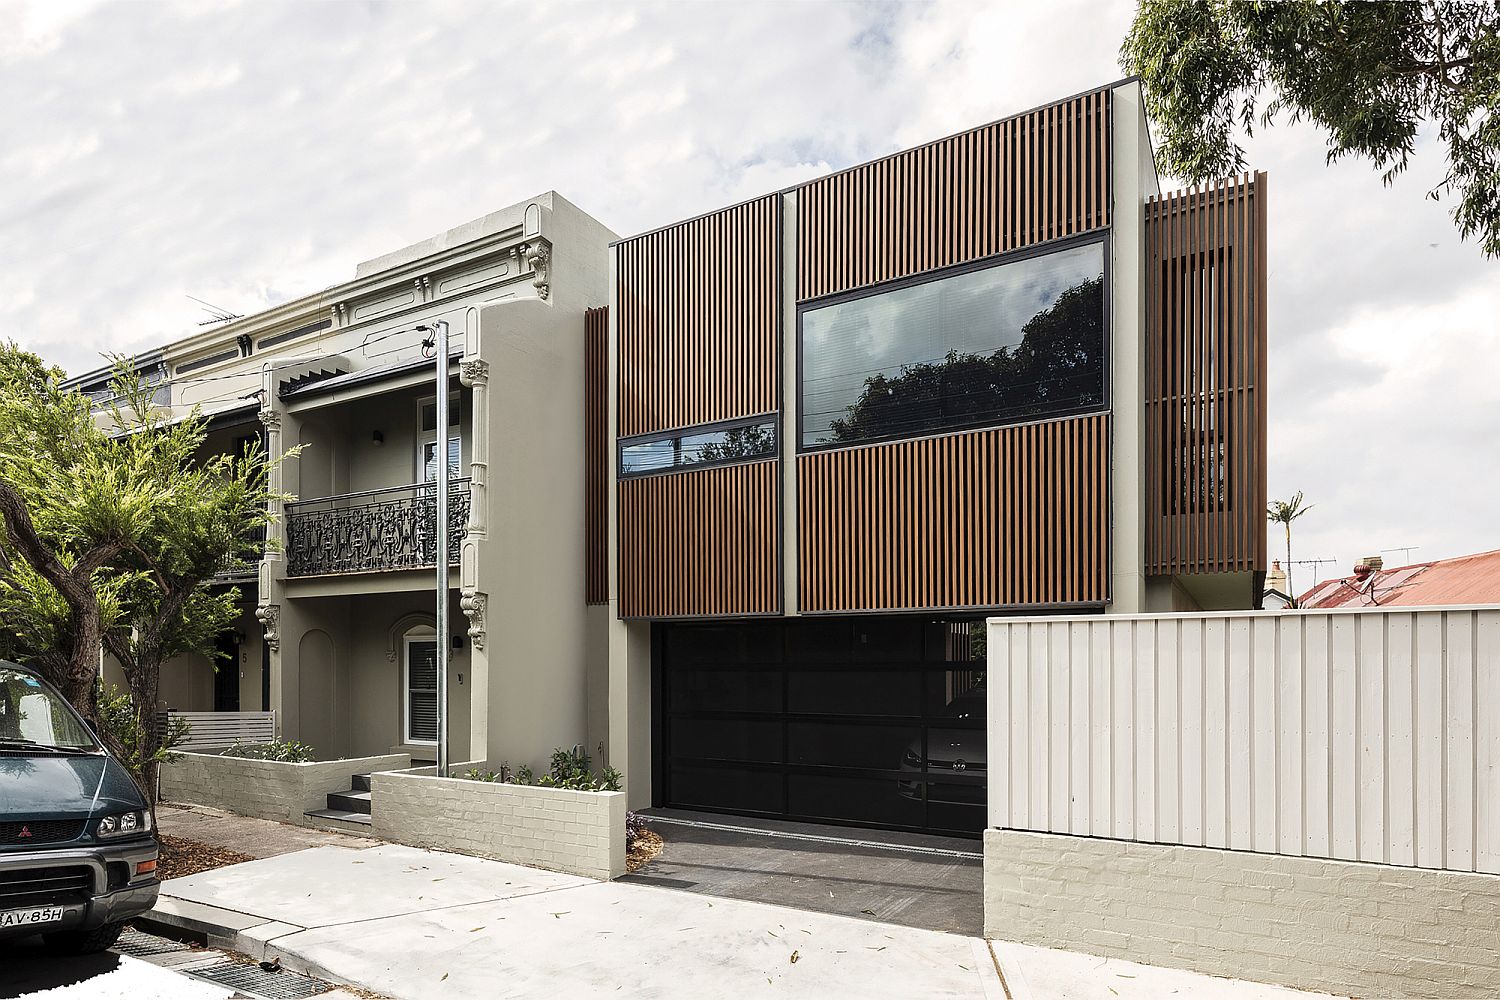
{"x": 935, "y": 883}
{"x": 416, "y": 924}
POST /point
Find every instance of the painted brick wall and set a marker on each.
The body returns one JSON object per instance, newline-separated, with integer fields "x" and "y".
{"x": 582, "y": 833}
{"x": 1339, "y": 926}
{"x": 266, "y": 789}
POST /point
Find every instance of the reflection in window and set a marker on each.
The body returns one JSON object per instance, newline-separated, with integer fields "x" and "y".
{"x": 1010, "y": 342}
{"x": 729, "y": 444}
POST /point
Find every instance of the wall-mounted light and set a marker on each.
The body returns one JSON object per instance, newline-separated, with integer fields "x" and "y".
{"x": 378, "y": 438}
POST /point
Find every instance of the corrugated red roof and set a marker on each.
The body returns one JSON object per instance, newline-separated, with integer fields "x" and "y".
{"x": 1471, "y": 579}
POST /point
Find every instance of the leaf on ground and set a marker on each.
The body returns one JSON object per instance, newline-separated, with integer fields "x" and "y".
{"x": 870, "y": 912}
{"x": 559, "y": 914}
{"x": 772, "y": 933}
{"x": 474, "y": 929}
{"x": 794, "y": 957}
{"x": 873, "y": 948}
{"x": 445, "y": 976}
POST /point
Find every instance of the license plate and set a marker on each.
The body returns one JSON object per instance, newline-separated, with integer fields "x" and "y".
{"x": 35, "y": 916}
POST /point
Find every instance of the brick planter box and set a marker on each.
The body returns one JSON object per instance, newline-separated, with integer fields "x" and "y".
{"x": 582, "y": 833}
{"x": 265, "y": 789}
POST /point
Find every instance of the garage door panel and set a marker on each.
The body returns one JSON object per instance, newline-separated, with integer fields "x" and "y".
{"x": 728, "y": 739}
{"x": 738, "y": 789}
{"x": 867, "y": 722}
{"x": 727, "y": 690}
{"x": 884, "y": 692}
{"x": 850, "y": 744}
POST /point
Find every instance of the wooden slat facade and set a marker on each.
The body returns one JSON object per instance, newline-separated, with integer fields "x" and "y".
{"x": 986, "y": 519}
{"x": 1035, "y": 177}
{"x": 1206, "y": 379}
{"x": 699, "y": 320}
{"x": 597, "y": 454}
{"x": 701, "y": 542}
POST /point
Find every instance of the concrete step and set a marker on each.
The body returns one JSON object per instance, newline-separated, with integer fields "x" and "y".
{"x": 341, "y": 816}
{"x": 361, "y": 782}
{"x": 351, "y": 801}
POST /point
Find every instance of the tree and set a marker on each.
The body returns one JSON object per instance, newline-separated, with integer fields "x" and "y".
{"x": 112, "y": 535}
{"x": 1284, "y": 512}
{"x": 65, "y": 517}
{"x": 1368, "y": 73}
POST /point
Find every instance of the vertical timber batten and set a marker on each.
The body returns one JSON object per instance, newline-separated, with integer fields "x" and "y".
{"x": 1206, "y": 378}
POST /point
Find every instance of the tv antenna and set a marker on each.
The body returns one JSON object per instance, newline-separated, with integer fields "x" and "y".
{"x": 1314, "y": 563}
{"x": 216, "y": 314}
{"x": 1407, "y": 550}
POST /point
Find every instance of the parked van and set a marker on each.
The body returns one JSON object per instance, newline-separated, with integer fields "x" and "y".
{"x": 77, "y": 852}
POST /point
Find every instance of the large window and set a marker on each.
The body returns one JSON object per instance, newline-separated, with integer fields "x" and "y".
{"x": 1010, "y": 342}
{"x": 736, "y": 442}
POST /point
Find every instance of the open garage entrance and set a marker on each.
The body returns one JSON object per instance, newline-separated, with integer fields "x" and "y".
{"x": 871, "y": 721}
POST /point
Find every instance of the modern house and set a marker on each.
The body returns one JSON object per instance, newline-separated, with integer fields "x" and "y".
{"x": 737, "y": 494}
{"x": 845, "y": 422}
{"x": 337, "y": 632}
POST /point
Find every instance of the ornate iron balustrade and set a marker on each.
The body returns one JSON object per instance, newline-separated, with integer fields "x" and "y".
{"x": 375, "y": 530}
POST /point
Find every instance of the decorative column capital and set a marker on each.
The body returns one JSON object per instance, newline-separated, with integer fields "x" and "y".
{"x": 538, "y": 254}
{"x": 473, "y": 605}
{"x": 270, "y": 617}
{"x": 474, "y": 372}
{"x": 271, "y": 419}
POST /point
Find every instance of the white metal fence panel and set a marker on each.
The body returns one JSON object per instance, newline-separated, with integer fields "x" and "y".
{"x": 1365, "y": 735}
{"x": 216, "y": 730}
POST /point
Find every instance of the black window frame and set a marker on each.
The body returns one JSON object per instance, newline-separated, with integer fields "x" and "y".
{"x": 981, "y": 264}
{"x": 772, "y": 418}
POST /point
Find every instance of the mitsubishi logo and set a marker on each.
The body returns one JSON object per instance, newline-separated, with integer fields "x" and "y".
{"x": 25, "y": 832}
{"x": 959, "y": 765}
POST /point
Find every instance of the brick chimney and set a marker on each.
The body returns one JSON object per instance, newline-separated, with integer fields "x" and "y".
{"x": 1276, "y": 578}
{"x": 1368, "y": 565}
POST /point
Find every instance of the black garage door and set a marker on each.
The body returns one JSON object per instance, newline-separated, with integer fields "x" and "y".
{"x": 872, "y": 721}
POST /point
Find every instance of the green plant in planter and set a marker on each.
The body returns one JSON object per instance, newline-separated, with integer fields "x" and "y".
{"x": 287, "y": 751}
{"x": 569, "y": 770}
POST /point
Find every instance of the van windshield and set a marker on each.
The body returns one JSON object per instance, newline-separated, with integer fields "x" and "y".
{"x": 32, "y": 715}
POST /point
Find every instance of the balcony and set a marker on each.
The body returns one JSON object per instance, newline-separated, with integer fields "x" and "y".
{"x": 373, "y": 531}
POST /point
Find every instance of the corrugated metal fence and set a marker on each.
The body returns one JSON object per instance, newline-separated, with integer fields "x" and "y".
{"x": 1366, "y": 735}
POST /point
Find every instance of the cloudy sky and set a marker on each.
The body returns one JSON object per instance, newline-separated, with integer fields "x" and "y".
{"x": 246, "y": 153}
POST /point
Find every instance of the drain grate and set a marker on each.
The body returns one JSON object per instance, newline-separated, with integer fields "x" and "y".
{"x": 141, "y": 945}
{"x": 257, "y": 982}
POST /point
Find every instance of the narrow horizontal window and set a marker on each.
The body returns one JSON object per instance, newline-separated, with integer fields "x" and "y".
{"x": 698, "y": 447}
{"x": 1013, "y": 341}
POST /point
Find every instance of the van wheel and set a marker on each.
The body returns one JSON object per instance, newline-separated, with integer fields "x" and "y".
{"x": 85, "y": 942}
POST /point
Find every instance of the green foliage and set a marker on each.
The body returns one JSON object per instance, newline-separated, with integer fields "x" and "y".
{"x": 116, "y": 523}
{"x": 1368, "y": 73}
{"x": 289, "y": 751}
{"x": 117, "y": 716}
{"x": 569, "y": 770}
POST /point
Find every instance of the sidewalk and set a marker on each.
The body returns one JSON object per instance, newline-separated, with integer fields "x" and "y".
{"x": 416, "y": 924}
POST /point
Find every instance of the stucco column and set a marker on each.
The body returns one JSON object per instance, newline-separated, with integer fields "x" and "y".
{"x": 273, "y": 565}
{"x": 1131, "y": 173}
{"x": 474, "y": 372}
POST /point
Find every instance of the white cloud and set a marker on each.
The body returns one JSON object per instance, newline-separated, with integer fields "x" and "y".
{"x": 250, "y": 152}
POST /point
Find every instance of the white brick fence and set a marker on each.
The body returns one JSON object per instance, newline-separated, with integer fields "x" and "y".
{"x": 582, "y": 833}
{"x": 1311, "y": 798}
{"x": 266, "y": 789}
